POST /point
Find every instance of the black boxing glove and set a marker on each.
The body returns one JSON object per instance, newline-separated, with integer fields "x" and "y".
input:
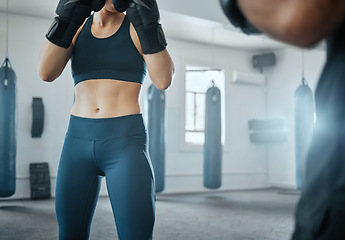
{"x": 121, "y": 5}
{"x": 71, "y": 15}
{"x": 236, "y": 17}
{"x": 144, "y": 15}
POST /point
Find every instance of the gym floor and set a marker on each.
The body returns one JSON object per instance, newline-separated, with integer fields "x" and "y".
{"x": 265, "y": 214}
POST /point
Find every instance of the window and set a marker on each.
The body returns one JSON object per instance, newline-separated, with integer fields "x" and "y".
{"x": 198, "y": 80}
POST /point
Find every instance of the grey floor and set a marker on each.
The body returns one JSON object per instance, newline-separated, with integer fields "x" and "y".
{"x": 233, "y": 215}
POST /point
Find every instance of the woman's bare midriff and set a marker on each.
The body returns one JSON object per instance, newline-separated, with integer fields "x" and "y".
{"x": 106, "y": 98}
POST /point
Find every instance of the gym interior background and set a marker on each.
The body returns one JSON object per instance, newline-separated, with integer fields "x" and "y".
{"x": 199, "y": 38}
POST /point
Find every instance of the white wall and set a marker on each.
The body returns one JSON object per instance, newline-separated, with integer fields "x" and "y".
{"x": 244, "y": 164}
{"x": 205, "y": 9}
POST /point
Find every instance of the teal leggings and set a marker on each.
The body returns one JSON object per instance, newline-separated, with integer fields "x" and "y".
{"x": 114, "y": 148}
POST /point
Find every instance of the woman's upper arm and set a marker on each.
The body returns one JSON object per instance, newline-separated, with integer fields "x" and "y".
{"x": 299, "y": 22}
{"x": 53, "y": 59}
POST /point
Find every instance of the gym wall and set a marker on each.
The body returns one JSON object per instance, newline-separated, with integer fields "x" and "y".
{"x": 244, "y": 164}
{"x": 26, "y": 38}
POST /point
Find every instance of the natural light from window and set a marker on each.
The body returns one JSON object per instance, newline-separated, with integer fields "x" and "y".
{"x": 198, "y": 80}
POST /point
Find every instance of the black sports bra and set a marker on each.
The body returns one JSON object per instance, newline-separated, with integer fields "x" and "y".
{"x": 115, "y": 57}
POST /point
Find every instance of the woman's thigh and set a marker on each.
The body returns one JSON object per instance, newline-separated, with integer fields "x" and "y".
{"x": 77, "y": 189}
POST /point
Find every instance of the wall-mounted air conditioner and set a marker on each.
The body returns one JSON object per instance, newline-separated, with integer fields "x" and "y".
{"x": 248, "y": 78}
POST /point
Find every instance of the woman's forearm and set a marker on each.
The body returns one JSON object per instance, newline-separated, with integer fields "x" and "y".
{"x": 161, "y": 68}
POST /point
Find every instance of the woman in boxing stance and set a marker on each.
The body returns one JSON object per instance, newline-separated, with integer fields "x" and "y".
{"x": 110, "y": 52}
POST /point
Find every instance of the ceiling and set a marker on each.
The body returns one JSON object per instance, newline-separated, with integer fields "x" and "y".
{"x": 189, "y": 25}
{"x": 195, "y": 29}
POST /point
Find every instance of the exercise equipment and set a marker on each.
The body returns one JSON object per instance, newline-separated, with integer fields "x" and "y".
{"x": 267, "y": 131}
{"x": 236, "y": 17}
{"x": 144, "y": 15}
{"x": 121, "y": 5}
{"x": 39, "y": 181}
{"x": 213, "y": 139}
{"x": 264, "y": 60}
{"x": 71, "y": 15}
{"x": 7, "y": 130}
{"x": 304, "y": 125}
{"x": 37, "y": 117}
{"x": 156, "y": 133}
{"x": 268, "y": 137}
{"x": 266, "y": 124}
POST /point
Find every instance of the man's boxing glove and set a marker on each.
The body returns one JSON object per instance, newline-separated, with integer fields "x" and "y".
{"x": 236, "y": 17}
{"x": 144, "y": 15}
{"x": 121, "y": 5}
{"x": 71, "y": 15}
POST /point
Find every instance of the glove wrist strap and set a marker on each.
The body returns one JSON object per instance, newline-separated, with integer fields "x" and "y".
{"x": 62, "y": 32}
{"x": 152, "y": 38}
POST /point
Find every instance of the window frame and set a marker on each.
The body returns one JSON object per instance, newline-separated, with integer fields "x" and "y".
{"x": 184, "y": 146}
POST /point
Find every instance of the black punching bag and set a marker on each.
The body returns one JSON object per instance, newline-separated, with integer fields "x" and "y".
{"x": 7, "y": 130}
{"x": 304, "y": 125}
{"x": 156, "y": 133}
{"x": 213, "y": 139}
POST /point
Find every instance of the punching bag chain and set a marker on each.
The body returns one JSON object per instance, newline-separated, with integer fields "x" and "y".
{"x": 214, "y": 97}
{"x": 6, "y": 28}
{"x": 302, "y": 63}
{"x": 6, "y": 60}
{"x": 304, "y": 82}
{"x": 213, "y": 47}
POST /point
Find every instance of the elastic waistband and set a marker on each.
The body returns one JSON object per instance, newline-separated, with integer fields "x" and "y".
{"x": 100, "y": 128}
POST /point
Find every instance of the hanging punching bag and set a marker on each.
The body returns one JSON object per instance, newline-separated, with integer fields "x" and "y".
{"x": 304, "y": 124}
{"x": 7, "y": 130}
{"x": 213, "y": 139}
{"x": 156, "y": 133}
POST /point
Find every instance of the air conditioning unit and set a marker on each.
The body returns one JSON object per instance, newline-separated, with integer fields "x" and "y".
{"x": 248, "y": 78}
